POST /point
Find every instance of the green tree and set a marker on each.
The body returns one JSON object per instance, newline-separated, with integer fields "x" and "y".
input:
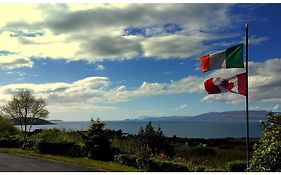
{"x": 7, "y": 128}
{"x": 97, "y": 143}
{"x": 267, "y": 152}
{"x": 153, "y": 141}
{"x": 25, "y": 108}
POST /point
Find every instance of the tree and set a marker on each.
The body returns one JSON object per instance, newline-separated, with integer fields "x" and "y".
{"x": 25, "y": 109}
{"x": 97, "y": 142}
{"x": 7, "y": 128}
{"x": 153, "y": 141}
{"x": 267, "y": 152}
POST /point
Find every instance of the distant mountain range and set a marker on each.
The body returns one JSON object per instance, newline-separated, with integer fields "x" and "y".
{"x": 226, "y": 116}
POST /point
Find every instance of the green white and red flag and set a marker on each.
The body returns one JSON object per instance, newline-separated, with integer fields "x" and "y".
{"x": 229, "y": 58}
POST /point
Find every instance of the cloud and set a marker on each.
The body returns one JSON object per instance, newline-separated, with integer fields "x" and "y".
{"x": 110, "y": 47}
{"x": 174, "y": 46}
{"x": 96, "y": 91}
{"x": 190, "y": 84}
{"x": 96, "y": 32}
{"x": 264, "y": 87}
{"x": 181, "y": 107}
{"x": 257, "y": 40}
{"x": 100, "y": 67}
{"x": 13, "y": 61}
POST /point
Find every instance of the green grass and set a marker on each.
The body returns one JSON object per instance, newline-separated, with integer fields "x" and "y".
{"x": 100, "y": 165}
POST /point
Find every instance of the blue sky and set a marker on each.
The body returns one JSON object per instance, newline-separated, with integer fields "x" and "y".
{"x": 118, "y": 61}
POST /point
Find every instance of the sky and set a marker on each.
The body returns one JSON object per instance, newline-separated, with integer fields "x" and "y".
{"x": 120, "y": 61}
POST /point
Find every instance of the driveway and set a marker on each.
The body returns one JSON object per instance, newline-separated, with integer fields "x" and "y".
{"x": 16, "y": 163}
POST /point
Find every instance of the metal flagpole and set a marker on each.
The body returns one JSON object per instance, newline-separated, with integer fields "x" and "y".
{"x": 247, "y": 99}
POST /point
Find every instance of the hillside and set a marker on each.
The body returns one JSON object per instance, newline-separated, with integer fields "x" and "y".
{"x": 228, "y": 115}
{"x": 36, "y": 122}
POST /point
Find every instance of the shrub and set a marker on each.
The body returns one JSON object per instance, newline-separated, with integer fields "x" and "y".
{"x": 53, "y": 135}
{"x": 200, "y": 168}
{"x": 126, "y": 159}
{"x": 61, "y": 148}
{"x": 165, "y": 166}
{"x": 236, "y": 166}
{"x": 202, "y": 151}
{"x": 150, "y": 164}
{"x": 55, "y": 141}
{"x": 267, "y": 152}
{"x": 11, "y": 142}
{"x": 7, "y": 128}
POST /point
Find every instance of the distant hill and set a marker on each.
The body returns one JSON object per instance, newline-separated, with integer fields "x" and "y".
{"x": 226, "y": 116}
{"x": 36, "y": 122}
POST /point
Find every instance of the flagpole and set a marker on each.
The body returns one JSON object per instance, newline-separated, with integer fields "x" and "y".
{"x": 247, "y": 98}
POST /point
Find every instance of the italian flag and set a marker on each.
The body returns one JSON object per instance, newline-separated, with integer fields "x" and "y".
{"x": 236, "y": 84}
{"x": 229, "y": 58}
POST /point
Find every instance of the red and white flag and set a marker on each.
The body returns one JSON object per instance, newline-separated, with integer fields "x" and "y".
{"x": 236, "y": 84}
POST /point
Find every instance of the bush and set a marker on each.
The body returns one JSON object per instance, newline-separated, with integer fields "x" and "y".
{"x": 7, "y": 128}
{"x": 236, "y": 166}
{"x": 55, "y": 141}
{"x": 53, "y": 135}
{"x": 150, "y": 164}
{"x": 11, "y": 142}
{"x": 61, "y": 148}
{"x": 202, "y": 151}
{"x": 267, "y": 152}
{"x": 165, "y": 166}
{"x": 126, "y": 159}
{"x": 200, "y": 168}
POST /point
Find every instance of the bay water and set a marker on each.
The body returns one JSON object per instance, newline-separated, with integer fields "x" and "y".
{"x": 184, "y": 129}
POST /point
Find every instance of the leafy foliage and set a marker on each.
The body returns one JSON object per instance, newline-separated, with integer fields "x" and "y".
{"x": 202, "y": 151}
{"x": 97, "y": 143}
{"x": 23, "y": 107}
{"x": 153, "y": 141}
{"x": 267, "y": 152}
{"x": 55, "y": 141}
{"x": 11, "y": 142}
{"x": 7, "y": 128}
{"x": 126, "y": 159}
{"x": 236, "y": 166}
{"x": 165, "y": 166}
{"x": 53, "y": 135}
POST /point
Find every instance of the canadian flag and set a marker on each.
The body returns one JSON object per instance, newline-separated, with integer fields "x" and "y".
{"x": 236, "y": 84}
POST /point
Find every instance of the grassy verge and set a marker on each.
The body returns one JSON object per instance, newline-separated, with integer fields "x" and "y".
{"x": 101, "y": 165}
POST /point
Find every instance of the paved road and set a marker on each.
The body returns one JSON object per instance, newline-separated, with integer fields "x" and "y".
{"x": 16, "y": 163}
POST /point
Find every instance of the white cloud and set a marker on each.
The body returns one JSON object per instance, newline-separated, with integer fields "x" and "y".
{"x": 181, "y": 107}
{"x": 12, "y": 61}
{"x": 174, "y": 46}
{"x": 190, "y": 84}
{"x": 95, "y": 32}
{"x": 95, "y": 92}
{"x": 257, "y": 40}
{"x": 100, "y": 67}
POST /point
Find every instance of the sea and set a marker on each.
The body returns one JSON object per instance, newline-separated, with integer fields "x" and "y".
{"x": 183, "y": 129}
